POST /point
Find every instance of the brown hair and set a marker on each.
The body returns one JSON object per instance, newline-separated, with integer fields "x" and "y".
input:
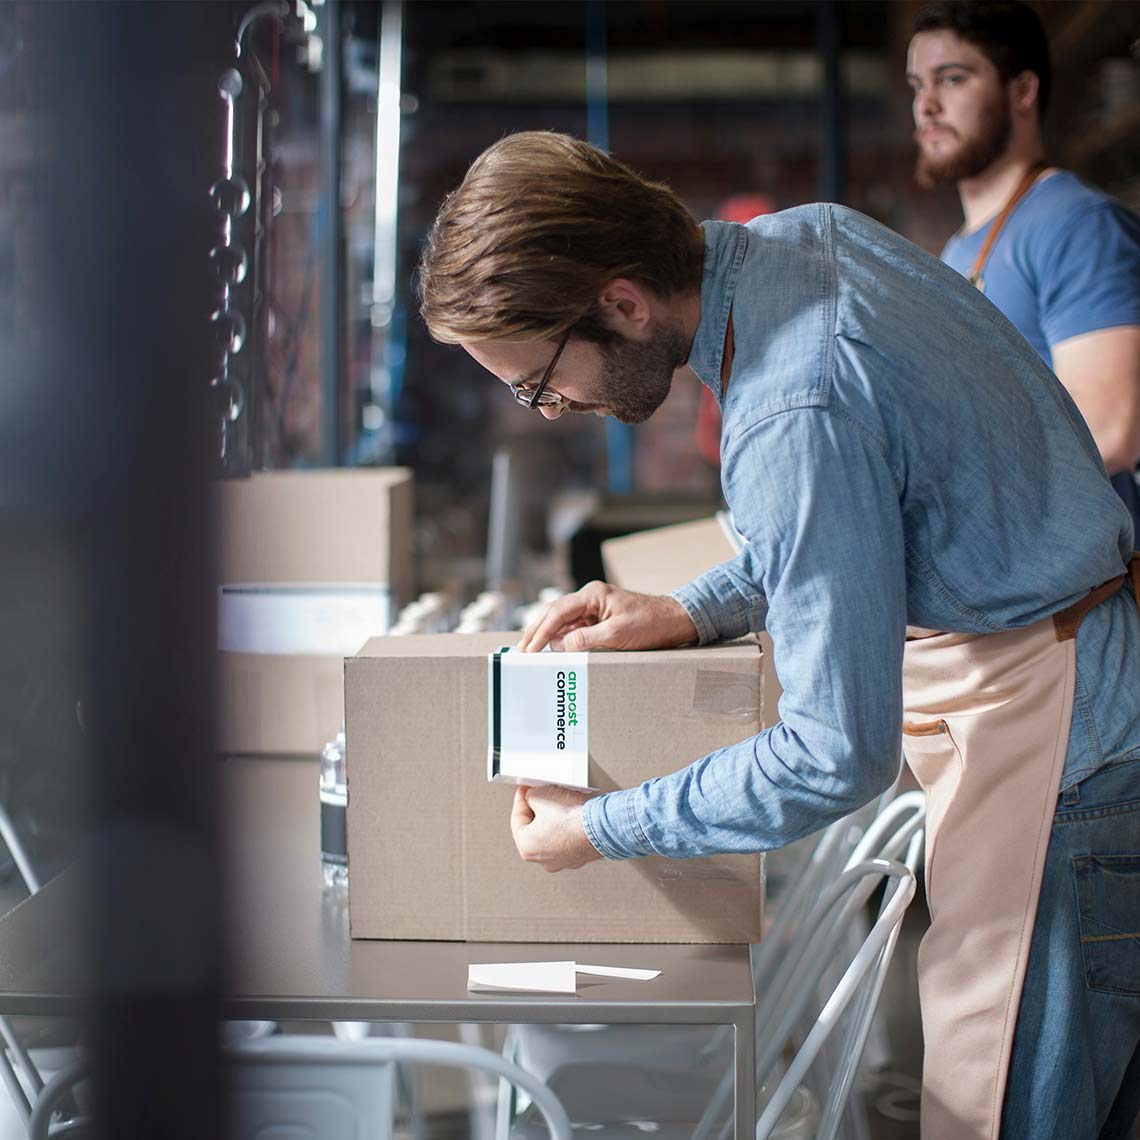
{"x": 1008, "y": 33}
{"x": 521, "y": 250}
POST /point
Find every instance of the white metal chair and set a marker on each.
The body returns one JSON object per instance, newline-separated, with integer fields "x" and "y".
{"x": 318, "y": 1088}
{"x": 671, "y": 1067}
{"x": 19, "y": 1073}
{"x": 884, "y": 828}
{"x": 794, "y": 989}
{"x": 674, "y": 1106}
{"x": 891, "y": 832}
{"x": 881, "y": 829}
{"x": 23, "y": 1071}
{"x": 859, "y": 987}
{"x": 895, "y": 831}
{"x": 829, "y": 856}
{"x": 667, "y": 1050}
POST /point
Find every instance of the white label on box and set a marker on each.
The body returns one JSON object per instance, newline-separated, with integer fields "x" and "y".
{"x": 538, "y": 718}
{"x": 327, "y": 618}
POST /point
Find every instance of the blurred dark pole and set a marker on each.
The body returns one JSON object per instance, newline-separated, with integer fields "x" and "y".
{"x": 832, "y": 125}
{"x": 105, "y": 440}
{"x": 619, "y": 436}
{"x": 332, "y": 233}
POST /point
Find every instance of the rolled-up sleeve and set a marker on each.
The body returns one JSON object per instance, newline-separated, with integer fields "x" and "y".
{"x": 816, "y": 499}
{"x": 725, "y": 602}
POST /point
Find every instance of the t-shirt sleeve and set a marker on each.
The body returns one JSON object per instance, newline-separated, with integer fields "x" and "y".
{"x": 1092, "y": 275}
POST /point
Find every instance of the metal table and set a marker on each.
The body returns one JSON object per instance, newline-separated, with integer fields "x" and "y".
{"x": 290, "y": 956}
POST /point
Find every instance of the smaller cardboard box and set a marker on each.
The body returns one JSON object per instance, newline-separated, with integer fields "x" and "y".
{"x": 310, "y": 564}
{"x": 429, "y": 843}
{"x": 661, "y": 560}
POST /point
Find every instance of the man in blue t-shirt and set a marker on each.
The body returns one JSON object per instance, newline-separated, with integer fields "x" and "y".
{"x": 1064, "y": 263}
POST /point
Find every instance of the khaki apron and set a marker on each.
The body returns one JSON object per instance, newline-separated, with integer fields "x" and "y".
{"x": 986, "y": 731}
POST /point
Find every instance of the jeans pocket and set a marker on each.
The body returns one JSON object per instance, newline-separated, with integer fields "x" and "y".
{"x": 1108, "y": 904}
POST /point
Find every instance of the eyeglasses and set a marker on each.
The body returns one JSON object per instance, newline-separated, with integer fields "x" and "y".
{"x": 538, "y": 396}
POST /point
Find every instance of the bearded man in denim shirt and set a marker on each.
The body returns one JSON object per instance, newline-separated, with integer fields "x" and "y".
{"x": 935, "y": 550}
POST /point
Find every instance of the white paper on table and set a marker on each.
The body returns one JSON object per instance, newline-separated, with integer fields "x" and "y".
{"x": 617, "y": 972}
{"x": 522, "y": 977}
{"x": 542, "y": 977}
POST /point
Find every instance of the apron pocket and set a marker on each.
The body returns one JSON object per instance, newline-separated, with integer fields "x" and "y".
{"x": 934, "y": 759}
{"x": 924, "y": 727}
{"x": 1108, "y": 904}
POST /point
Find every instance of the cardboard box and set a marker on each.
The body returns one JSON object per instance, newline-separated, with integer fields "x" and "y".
{"x": 660, "y": 560}
{"x": 429, "y": 842}
{"x": 310, "y": 564}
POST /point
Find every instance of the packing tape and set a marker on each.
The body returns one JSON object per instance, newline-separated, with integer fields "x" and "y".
{"x": 709, "y": 869}
{"x": 718, "y": 692}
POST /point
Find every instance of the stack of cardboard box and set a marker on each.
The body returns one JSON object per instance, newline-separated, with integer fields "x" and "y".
{"x": 309, "y": 565}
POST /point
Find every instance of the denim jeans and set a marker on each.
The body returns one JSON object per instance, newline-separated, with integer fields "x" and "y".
{"x": 1075, "y": 1070}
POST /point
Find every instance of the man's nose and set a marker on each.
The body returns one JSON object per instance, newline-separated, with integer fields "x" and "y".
{"x": 552, "y": 411}
{"x": 926, "y": 105}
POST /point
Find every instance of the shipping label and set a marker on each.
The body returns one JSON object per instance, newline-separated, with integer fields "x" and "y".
{"x": 538, "y": 718}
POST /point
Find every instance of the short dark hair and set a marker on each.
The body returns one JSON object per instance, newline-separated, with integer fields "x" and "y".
{"x": 1008, "y": 33}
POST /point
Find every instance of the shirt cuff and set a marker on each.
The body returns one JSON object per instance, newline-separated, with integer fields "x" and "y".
{"x": 612, "y": 827}
{"x": 715, "y": 606}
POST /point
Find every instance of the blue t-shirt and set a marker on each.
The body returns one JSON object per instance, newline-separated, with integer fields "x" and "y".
{"x": 1066, "y": 263}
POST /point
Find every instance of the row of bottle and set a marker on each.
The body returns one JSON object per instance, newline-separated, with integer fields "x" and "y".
{"x": 429, "y": 613}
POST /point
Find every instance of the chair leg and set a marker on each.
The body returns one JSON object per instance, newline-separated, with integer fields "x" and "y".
{"x": 483, "y": 1116}
{"x": 20, "y": 1057}
{"x": 15, "y": 1089}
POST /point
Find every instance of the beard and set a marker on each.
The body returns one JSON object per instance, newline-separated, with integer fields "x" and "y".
{"x": 636, "y": 376}
{"x": 974, "y": 154}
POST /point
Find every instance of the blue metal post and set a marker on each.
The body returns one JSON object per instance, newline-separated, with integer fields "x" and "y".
{"x": 619, "y": 437}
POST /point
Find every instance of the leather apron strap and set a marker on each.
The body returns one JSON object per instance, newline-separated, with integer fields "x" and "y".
{"x": 1023, "y": 188}
{"x": 1068, "y": 621}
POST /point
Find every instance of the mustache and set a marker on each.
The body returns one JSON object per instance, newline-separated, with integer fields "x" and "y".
{"x": 919, "y": 131}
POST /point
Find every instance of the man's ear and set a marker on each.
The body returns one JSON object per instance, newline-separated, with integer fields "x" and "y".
{"x": 1024, "y": 88}
{"x": 626, "y": 307}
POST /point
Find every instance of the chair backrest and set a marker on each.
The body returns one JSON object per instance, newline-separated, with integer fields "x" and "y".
{"x": 828, "y": 858}
{"x": 795, "y": 983}
{"x": 842, "y": 1067}
{"x": 889, "y": 834}
{"x": 322, "y": 1088}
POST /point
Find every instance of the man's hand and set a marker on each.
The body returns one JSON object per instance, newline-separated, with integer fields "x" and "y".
{"x": 603, "y": 617}
{"x": 547, "y": 825}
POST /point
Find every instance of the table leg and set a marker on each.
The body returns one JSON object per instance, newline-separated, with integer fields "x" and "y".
{"x": 746, "y": 1076}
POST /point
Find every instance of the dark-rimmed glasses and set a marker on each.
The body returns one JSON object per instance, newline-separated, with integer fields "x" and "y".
{"x": 538, "y": 396}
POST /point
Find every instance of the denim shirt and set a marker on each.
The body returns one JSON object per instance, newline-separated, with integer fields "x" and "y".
{"x": 895, "y": 453}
